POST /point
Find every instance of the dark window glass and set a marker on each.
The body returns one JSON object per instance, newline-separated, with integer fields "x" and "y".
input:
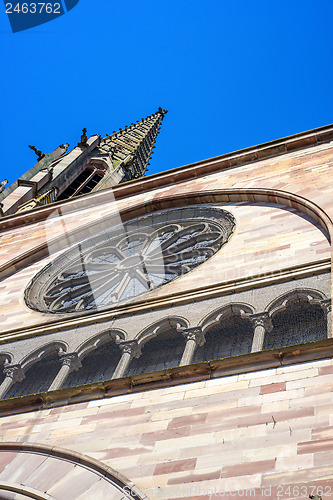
{"x": 161, "y": 352}
{"x": 231, "y": 338}
{"x": 80, "y": 186}
{"x": 38, "y": 378}
{"x": 297, "y": 326}
{"x": 97, "y": 366}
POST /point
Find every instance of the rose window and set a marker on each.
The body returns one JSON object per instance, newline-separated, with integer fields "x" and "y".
{"x": 125, "y": 262}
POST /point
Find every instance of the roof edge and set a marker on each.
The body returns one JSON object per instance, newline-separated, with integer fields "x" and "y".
{"x": 250, "y": 154}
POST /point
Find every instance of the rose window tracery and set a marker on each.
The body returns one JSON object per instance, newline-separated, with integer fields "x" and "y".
{"x": 125, "y": 262}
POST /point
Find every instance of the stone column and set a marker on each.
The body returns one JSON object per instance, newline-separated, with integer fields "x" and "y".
{"x": 327, "y": 308}
{"x": 70, "y": 362}
{"x": 194, "y": 337}
{"x": 261, "y": 324}
{"x": 130, "y": 350}
{"x": 13, "y": 374}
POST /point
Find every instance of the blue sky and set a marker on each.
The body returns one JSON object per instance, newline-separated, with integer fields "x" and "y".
{"x": 231, "y": 73}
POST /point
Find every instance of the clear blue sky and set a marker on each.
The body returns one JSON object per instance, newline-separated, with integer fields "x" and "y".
{"x": 231, "y": 73}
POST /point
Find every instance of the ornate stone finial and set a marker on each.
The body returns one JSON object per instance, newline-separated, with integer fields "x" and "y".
{"x": 84, "y": 138}
{"x": 3, "y": 184}
{"x": 162, "y": 111}
{"x": 38, "y": 152}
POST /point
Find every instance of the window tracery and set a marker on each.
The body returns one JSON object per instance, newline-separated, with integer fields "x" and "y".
{"x": 125, "y": 262}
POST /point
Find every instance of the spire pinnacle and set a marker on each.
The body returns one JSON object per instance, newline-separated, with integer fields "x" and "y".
{"x": 131, "y": 147}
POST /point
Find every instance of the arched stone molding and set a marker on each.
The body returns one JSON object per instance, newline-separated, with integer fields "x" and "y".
{"x": 6, "y": 357}
{"x": 243, "y": 311}
{"x": 290, "y": 299}
{"x": 58, "y": 347}
{"x": 266, "y": 195}
{"x": 80, "y": 359}
{"x": 227, "y": 332}
{"x": 158, "y": 337}
{"x": 252, "y": 195}
{"x": 171, "y": 322}
{"x": 53, "y": 479}
{"x": 97, "y": 341}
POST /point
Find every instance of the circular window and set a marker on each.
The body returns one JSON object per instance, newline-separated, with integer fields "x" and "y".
{"x": 126, "y": 261}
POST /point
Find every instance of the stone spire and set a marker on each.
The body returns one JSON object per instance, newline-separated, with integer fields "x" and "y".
{"x": 94, "y": 164}
{"x": 131, "y": 148}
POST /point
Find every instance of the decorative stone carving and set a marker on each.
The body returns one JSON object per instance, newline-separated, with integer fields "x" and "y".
{"x": 132, "y": 348}
{"x": 39, "y": 154}
{"x": 3, "y": 185}
{"x": 71, "y": 360}
{"x": 195, "y": 334}
{"x": 84, "y": 138}
{"x": 13, "y": 374}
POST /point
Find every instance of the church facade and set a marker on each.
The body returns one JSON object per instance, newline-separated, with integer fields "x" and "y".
{"x": 168, "y": 336}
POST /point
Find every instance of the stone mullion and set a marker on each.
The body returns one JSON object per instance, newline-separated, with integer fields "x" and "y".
{"x": 261, "y": 325}
{"x": 12, "y": 374}
{"x": 130, "y": 350}
{"x": 70, "y": 362}
{"x": 194, "y": 337}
